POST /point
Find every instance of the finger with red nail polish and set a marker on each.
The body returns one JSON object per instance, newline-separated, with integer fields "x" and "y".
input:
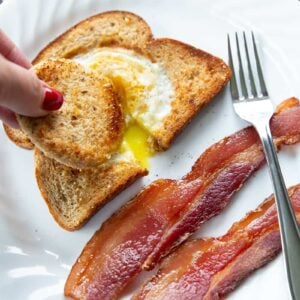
{"x": 53, "y": 99}
{"x": 23, "y": 93}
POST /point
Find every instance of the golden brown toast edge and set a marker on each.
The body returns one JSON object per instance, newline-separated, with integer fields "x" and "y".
{"x": 87, "y": 36}
{"x": 18, "y": 137}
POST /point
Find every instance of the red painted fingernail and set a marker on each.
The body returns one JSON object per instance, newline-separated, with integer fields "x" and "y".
{"x": 53, "y": 99}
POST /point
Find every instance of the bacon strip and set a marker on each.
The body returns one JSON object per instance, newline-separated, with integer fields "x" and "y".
{"x": 165, "y": 213}
{"x": 211, "y": 268}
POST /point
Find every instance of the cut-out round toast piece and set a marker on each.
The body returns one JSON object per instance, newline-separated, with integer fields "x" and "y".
{"x": 88, "y": 128}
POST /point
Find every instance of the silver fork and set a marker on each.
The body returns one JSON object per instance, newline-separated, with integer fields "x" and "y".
{"x": 253, "y": 105}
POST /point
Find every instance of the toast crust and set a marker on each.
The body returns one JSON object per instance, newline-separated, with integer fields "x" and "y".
{"x": 101, "y": 30}
{"x": 89, "y": 126}
{"x": 73, "y": 196}
{"x": 19, "y": 137}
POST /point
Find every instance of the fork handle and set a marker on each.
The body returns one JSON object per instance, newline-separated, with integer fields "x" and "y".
{"x": 289, "y": 230}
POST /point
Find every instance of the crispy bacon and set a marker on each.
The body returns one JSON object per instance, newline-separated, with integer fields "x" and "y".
{"x": 166, "y": 212}
{"x": 211, "y": 268}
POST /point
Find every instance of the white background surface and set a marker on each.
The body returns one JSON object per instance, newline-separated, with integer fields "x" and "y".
{"x": 35, "y": 254}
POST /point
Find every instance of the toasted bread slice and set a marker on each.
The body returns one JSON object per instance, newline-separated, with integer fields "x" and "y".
{"x": 196, "y": 76}
{"x": 89, "y": 126}
{"x": 18, "y": 137}
{"x": 73, "y": 196}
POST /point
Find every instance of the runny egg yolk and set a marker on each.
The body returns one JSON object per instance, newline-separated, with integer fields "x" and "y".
{"x": 134, "y": 80}
{"x": 136, "y": 141}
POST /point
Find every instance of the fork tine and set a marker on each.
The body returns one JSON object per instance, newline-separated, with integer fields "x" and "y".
{"x": 241, "y": 70}
{"x": 259, "y": 69}
{"x": 233, "y": 84}
{"x": 252, "y": 82}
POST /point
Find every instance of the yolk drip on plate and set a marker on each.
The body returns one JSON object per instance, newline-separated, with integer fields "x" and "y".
{"x": 134, "y": 79}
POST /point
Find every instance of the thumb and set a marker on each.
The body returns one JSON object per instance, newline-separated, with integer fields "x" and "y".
{"x": 23, "y": 93}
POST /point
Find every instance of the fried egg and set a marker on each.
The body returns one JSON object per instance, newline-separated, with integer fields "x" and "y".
{"x": 146, "y": 95}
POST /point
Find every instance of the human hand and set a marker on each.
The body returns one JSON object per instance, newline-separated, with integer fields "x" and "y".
{"x": 21, "y": 91}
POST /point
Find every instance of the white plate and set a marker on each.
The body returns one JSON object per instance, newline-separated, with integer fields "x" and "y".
{"x": 35, "y": 254}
